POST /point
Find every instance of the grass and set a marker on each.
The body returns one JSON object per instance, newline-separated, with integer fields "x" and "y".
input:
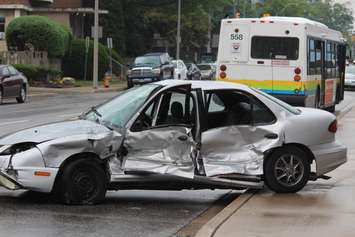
{"x": 115, "y": 82}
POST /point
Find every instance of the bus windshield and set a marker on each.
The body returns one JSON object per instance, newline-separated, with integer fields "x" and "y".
{"x": 266, "y": 47}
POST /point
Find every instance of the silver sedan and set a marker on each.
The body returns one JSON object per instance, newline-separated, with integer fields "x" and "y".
{"x": 175, "y": 135}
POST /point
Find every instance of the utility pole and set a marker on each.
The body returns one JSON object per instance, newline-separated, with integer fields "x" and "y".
{"x": 178, "y": 37}
{"x": 96, "y": 46}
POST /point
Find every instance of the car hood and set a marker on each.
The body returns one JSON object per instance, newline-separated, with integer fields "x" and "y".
{"x": 53, "y": 131}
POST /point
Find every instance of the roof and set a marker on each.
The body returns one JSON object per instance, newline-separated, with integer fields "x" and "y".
{"x": 297, "y": 20}
{"x": 204, "y": 85}
{"x": 154, "y": 54}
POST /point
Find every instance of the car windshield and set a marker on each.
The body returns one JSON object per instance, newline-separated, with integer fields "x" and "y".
{"x": 119, "y": 110}
{"x": 204, "y": 67}
{"x": 148, "y": 60}
{"x": 284, "y": 105}
{"x": 350, "y": 69}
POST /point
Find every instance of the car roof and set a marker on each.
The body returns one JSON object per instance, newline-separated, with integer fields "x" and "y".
{"x": 204, "y": 85}
{"x": 153, "y": 54}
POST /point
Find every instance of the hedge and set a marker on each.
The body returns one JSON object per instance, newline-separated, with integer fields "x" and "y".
{"x": 41, "y": 32}
{"x": 74, "y": 61}
{"x": 38, "y": 74}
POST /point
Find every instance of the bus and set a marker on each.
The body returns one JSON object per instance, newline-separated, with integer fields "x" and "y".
{"x": 297, "y": 60}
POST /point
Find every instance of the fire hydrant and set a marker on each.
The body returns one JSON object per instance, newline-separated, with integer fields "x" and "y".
{"x": 107, "y": 80}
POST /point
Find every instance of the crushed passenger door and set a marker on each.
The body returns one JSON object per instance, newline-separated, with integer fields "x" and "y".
{"x": 162, "y": 138}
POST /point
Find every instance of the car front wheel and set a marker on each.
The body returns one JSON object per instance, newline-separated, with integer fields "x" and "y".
{"x": 83, "y": 182}
{"x": 287, "y": 170}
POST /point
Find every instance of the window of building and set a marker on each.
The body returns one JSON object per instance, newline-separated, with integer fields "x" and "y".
{"x": 263, "y": 47}
{"x": 2, "y": 28}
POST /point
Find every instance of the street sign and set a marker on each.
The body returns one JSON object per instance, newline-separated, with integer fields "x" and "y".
{"x": 109, "y": 43}
{"x": 93, "y": 32}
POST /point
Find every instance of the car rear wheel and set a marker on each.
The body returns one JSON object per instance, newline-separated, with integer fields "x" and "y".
{"x": 23, "y": 95}
{"x": 287, "y": 170}
{"x": 83, "y": 182}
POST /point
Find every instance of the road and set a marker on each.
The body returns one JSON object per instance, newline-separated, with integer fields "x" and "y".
{"x": 124, "y": 213}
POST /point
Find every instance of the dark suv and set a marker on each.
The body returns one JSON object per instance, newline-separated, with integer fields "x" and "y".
{"x": 150, "y": 67}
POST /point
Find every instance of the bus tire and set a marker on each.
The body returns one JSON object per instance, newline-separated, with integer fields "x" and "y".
{"x": 317, "y": 99}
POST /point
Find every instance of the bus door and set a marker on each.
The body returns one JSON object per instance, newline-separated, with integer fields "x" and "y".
{"x": 341, "y": 60}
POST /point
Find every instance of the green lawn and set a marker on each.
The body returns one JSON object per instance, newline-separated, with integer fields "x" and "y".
{"x": 115, "y": 82}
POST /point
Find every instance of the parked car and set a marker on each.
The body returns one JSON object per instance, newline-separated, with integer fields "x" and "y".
{"x": 13, "y": 84}
{"x": 180, "y": 72}
{"x": 149, "y": 68}
{"x": 207, "y": 71}
{"x": 350, "y": 76}
{"x": 174, "y": 135}
{"x": 193, "y": 72}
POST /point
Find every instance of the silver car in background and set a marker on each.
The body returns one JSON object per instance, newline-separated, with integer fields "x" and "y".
{"x": 350, "y": 76}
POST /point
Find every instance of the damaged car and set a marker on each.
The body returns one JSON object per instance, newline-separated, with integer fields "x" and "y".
{"x": 174, "y": 135}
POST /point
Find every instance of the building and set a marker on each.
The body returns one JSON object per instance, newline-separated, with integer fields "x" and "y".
{"x": 74, "y": 14}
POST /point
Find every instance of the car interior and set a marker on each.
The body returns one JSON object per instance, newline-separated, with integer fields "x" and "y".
{"x": 228, "y": 108}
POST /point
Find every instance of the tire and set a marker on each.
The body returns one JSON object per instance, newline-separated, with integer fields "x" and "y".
{"x": 23, "y": 95}
{"x": 129, "y": 84}
{"x": 280, "y": 176}
{"x": 82, "y": 182}
{"x": 316, "y": 100}
{"x": 1, "y": 96}
{"x": 331, "y": 109}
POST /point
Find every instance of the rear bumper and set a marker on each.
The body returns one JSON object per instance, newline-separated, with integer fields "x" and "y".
{"x": 329, "y": 156}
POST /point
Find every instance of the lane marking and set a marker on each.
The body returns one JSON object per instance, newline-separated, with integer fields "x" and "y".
{"x": 14, "y": 122}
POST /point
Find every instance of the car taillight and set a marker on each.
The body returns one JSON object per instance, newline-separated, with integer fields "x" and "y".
{"x": 298, "y": 71}
{"x": 333, "y": 127}
{"x": 223, "y": 68}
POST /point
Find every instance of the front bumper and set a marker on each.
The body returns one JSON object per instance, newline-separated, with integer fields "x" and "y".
{"x": 142, "y": 80}
{"x": 8, "y": 182}
{"x": 329, "y": 156}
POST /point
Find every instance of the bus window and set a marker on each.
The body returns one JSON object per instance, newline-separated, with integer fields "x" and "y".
{"x": 314, "y": 57}
{"x": 263, "y": 47}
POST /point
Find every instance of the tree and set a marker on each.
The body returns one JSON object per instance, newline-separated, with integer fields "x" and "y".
{"x": 41, "y": 33}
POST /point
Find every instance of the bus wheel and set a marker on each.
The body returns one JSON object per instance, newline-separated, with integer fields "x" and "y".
{"x": 331, "y": 109}
{"x": 316, "y": 100}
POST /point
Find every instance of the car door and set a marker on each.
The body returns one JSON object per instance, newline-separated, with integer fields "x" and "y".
{"x": 7, "y": 82}
{"x": 163, "y": 138}
{"x": 240, "y": 129}
{"x": 16, "y": 80}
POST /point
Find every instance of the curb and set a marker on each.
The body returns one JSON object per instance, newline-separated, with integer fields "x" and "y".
{"x": 211, "y": 227}
{"x": 37, "y": 92}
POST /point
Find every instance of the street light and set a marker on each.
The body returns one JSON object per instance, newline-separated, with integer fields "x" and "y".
{"x": 178, "y": 36}
{"x": 96, "y": 46}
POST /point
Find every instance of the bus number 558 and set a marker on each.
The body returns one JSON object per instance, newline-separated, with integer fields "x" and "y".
{"x": 236, "y": 37}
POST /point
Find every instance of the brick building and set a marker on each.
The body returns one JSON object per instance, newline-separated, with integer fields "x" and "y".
{"x": 75, "y": 14}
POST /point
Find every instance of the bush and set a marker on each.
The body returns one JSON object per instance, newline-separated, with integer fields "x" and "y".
{"x": 74, "y": 61}
{"x": 38, "y": 74}
{"x": 41, "y": 32}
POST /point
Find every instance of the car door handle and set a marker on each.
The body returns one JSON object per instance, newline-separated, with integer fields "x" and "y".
{"x": 271, "y": 136}
{"x": 183, "y": 138}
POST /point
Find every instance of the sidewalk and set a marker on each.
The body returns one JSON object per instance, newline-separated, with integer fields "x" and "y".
{"x": 323, "y": 208}
{"x": 41, "y": 91}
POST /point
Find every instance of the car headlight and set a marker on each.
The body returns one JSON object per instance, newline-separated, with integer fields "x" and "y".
{"x": 8, "y": 150}
{"x": 157, "y": 71}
